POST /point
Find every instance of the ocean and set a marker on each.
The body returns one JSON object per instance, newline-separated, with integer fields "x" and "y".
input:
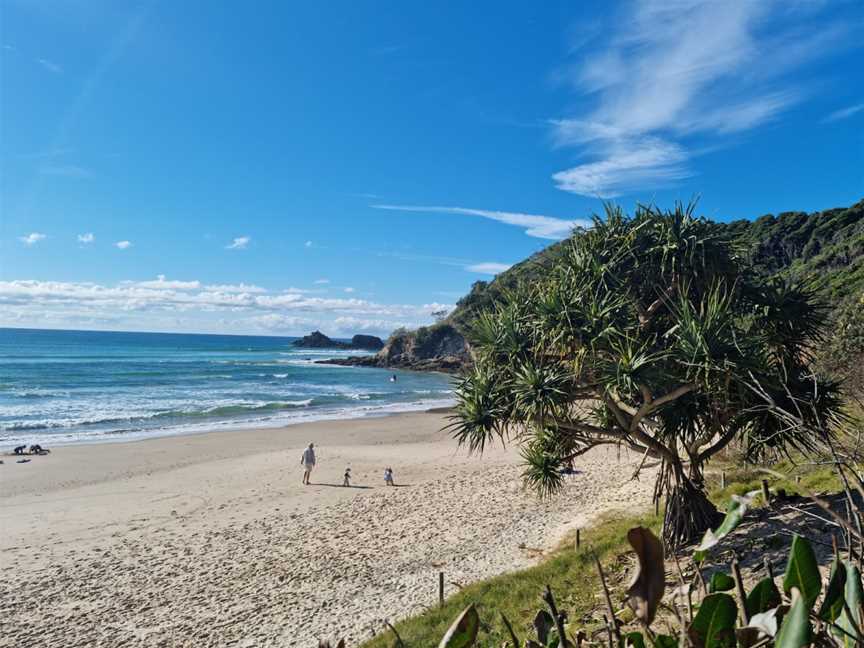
{"x": 62, "y": 387}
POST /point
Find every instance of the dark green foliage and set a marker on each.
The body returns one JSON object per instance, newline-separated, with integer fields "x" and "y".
{"x": 714, "y": 624}
{"x": 649, "y": 332}
{"x": 832, "y": 604}
{"x": 720, "y": 582}
{"x": 826, "y": 247}
{"x": 802, "y": 572}
{"x": 763, "y": 597}
{"x": 795, "y": 631}
{"x": 843, "y": 351}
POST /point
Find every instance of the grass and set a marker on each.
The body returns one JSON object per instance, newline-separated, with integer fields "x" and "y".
{"x": 801, "y": 479}
{"x": 573, "y": 576}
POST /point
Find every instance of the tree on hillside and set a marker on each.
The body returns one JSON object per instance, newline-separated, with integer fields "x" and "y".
{"x": 650, "y": 333}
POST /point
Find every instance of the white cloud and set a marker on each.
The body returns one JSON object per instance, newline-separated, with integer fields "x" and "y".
{"x": 86, "y": 238}
{"x": 546, "y": 227}
{"x": 321, "y": 282}
{"x": 489, "y": 267}
{"x": 239, "y": 243}
{"x": 164, "y": 295}
{"x": 672, "y": 70}
{"x": 348, "y": 289}
{"x": 123, "y": 245}
{"x": 32, "y": 239}
{"x": 161, "y": 283}
{"x": 49, "y": 65}
{"x": 843, "y": 113}
{"x": 649, "y": 162}
{"x": 308, "y": 244}
{"x": 235, "y": 288}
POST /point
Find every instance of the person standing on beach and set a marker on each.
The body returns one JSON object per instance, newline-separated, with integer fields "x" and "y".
{"x": 308, "y": 462}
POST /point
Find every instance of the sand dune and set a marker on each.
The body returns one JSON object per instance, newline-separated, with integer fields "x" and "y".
{"x": 210, "y": 540}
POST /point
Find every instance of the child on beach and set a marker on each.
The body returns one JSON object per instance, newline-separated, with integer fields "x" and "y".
{"x": 388, "y": 476}
{"x": 347, "y": 480}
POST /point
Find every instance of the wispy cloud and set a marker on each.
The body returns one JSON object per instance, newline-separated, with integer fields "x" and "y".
{"x": 161, "y": 283}
{"x": 546, "y": 227}
{"x": 671, "y": 71}
{"x": 239, "y": 243}
{"x": 488, "y": 267}
{"x": 843, "y": 113}
{"x": 348, "y": 289}
{"x": 123, "y": 245}
{"x": 308, "y": 244}
{"x": 32, "y": 239}
{"x": 86, "y": 238}
{"x": 67, "y": 171}
{"x": 29, "y": 300}
{"x": 321, "y": 282}
{"x": 49, "y": 65}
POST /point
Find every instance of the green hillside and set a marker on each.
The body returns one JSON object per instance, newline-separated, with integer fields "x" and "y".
{"x": 825, "y": 247}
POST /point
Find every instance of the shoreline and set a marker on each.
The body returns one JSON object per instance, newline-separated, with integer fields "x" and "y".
{"x": 210, "y": 539}
{"x": 213, "y": 427}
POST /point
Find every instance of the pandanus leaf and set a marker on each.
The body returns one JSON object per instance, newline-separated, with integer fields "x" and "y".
{"x": 802, "y": 572}
{"x": 832, "y": 604}
{"x": 463, "y": 632}
{"x": 714, "y": 624}
{"x": 854, "y": 598}
{"x": 763, "y": 597}
{"x": 795, "y": 631}
{"x": 649, "y": 582}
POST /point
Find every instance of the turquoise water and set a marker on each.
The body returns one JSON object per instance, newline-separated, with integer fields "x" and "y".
{"x": 85, "y": 386}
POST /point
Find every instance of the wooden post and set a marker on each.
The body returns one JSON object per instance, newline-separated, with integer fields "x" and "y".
{"x": 441, "y": 589}
{"x": 578, "y": 539}
{"x": 766, "y": 492}
{"x": 723, "y": 480}
{"x": 611, "y": 610}
{"x": 739, "y": 588}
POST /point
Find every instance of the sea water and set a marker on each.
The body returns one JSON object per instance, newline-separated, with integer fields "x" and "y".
{"x": 59, "y": 387}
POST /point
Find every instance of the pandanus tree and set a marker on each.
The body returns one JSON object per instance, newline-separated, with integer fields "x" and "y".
{"x": 648, "y": 332}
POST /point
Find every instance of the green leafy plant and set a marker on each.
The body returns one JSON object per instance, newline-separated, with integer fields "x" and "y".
{"x": 648, "y": 332}
{"x": 768, "y": 617}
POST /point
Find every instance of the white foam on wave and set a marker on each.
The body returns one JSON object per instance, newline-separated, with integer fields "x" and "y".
{"x": 276, "y": 420}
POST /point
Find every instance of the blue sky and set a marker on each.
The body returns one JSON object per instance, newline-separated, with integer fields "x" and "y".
{"x": 274, "y": 167}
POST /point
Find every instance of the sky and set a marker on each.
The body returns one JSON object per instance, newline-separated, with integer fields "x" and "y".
{"x": 278, "y": 167}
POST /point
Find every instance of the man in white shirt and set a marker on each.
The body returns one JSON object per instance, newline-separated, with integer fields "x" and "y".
{"x": 308, "y": 462}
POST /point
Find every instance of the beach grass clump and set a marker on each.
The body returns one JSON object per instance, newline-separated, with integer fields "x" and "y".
{"x": 570, "y": 573}
{"x": 805, "y": 609}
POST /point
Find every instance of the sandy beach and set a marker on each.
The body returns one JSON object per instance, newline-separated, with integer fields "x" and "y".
{"x": 211, "y": 540}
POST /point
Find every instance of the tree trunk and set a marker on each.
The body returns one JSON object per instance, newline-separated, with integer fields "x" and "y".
{"x": 689, "y": 512}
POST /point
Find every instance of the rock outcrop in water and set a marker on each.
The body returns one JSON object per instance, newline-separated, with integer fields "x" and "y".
{"x": 370, "y": 342}
{"x": 317, "y": 340}
{"x": 430, "y": 348}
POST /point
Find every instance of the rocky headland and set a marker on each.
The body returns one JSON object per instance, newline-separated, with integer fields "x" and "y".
{"x": 430, "y": 348}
